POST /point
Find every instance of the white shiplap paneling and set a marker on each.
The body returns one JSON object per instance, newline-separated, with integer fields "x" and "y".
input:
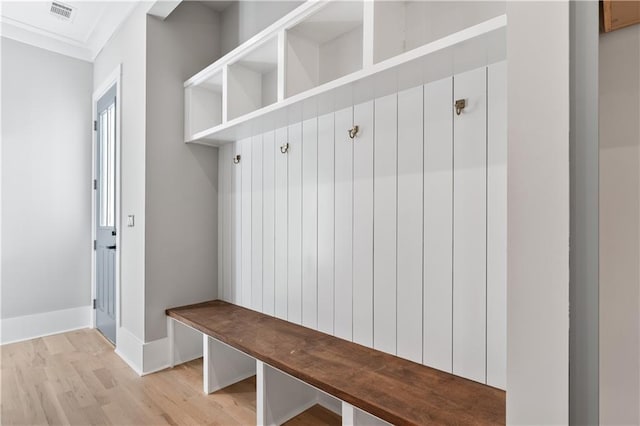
{"x": 325, "y": 222}
{"x": 294, "y": 177}
{"x": 497, "y": 225}
{"x": 222, "y": 187}
{"x": 469, "y": 227}
{"x": 236, "y": 226}
{"x": 343, "y": 323}
{"x": 281, "y": 226}
{"x": 268, "y": 222}
{"x": 384, "y": 233}
{"x": 256, "y": 222}
{"x": 245, "y": 218}
{"x": 310, "y": 223}
{"x": 438, "y": 224}
{"x": 410, "y": 181}
{"x": 224, "y": 181}
{"x": 394, "y": 239}
{"x": 363, "y": 225}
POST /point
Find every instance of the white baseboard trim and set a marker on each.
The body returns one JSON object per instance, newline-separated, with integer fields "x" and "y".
{"x": 149, "y": 357}
{"x": 155, "y": 356}
{"x": 18, "y": 329}
{"x": 129, "y": 348}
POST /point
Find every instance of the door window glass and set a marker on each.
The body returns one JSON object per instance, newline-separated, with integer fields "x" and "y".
{"x": 107, "y": 151}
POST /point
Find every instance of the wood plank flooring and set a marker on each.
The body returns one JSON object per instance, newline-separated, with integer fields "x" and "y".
{"x": 76, "y": 378}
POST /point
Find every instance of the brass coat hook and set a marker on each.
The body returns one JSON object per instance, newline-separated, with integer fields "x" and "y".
{"x": 353, "y": 131}
{"x": 236, "y": 159}
{"x": 284, "y": 148}
{"x": 460, "y": 105}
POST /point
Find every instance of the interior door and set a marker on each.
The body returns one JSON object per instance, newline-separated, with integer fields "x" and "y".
{"x": 105, "y": 187}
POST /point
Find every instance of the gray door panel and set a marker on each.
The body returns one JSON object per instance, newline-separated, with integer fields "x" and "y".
{"x": 105, "y": 304}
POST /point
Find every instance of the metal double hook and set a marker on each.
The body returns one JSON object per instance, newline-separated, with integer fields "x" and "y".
{"x": 353, "y": 131}
{"x": 236, "y": 159}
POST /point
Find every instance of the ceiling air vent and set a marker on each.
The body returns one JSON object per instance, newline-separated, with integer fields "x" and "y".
{"x": 61, "y": 10}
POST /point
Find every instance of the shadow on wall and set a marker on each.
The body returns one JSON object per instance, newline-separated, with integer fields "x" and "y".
{"x": 243, "y": 19}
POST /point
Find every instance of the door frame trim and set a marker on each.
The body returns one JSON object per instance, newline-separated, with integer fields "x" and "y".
{"x": 115, "y": 77}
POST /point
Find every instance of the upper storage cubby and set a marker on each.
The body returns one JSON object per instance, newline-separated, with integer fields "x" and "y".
{"x": 401, "y": 26}
{"x": 326, "y": 55}
{"x": 203, "y": 105}
{"x": 324, "y": 46}
{"x": 252, "y": 80}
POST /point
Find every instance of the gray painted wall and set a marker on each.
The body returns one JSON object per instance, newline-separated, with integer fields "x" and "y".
{"x": 243, "y": 19}
{"x": 584, "y": 254}
{"x": 127, "y": 47}
{"x": 620, "y": 226}
{"x": 181, "y": 180}
{"x": 46, "y": 180}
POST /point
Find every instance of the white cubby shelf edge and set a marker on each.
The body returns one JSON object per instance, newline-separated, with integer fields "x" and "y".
{"x": 472, "y": 47}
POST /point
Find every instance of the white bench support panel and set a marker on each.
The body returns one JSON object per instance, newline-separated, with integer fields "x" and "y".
{"x": 352, "y": 416}
{"x": 280, "y": 397}
{"x": 223, "y": 365}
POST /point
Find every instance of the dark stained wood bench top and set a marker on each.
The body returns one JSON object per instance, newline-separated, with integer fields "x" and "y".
{"x": 394, "y": 389}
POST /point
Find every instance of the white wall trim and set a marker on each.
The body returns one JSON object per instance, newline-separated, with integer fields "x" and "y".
{"x": 129, "y": 348}
{"x": 187, "y": 346}
{"x": 115, "y": 77}
{"x": 27, "y": 327}
{"x": 18, "y": 32}
{"x": 146, "y": 358}
{"x": 155, "y": 356}
{"x": 84, "y": 49}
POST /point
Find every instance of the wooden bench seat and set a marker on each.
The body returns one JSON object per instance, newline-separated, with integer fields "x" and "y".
{"x": 395, "y": 390}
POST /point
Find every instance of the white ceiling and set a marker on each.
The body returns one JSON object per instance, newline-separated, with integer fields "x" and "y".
{"x": 93, "y": 24}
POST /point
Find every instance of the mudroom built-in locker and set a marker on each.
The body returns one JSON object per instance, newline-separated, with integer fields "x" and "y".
{"x": 362, "y": 177}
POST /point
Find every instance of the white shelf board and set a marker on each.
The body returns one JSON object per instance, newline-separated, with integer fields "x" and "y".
{"x": 479, "y": 45}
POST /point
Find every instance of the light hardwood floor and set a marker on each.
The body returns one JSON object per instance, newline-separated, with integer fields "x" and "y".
{"x": 76, "y": 378}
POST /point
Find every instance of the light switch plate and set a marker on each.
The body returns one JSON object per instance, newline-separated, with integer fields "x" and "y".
{"x": 131, "y": 220}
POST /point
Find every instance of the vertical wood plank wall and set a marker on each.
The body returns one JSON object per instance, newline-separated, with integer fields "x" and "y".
{"x": 395, "y": 239}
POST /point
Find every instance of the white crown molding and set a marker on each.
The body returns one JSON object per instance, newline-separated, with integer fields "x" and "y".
{"x": 106, "y": 24}
{"x": 47, "y": 42}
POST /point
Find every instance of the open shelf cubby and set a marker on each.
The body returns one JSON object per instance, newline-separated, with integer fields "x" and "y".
{"x": 401, "y": 26}
{"x": 203, "y": 103}
{"x": 324, "y": 46}
{"x": 252, "y": 80}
